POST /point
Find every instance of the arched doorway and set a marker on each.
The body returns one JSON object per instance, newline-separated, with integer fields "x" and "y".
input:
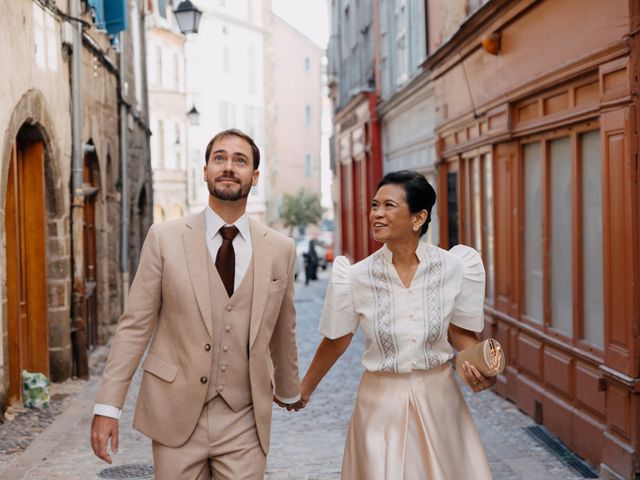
{"x": 25, "y": 218}
{"x": 91, "y": 188}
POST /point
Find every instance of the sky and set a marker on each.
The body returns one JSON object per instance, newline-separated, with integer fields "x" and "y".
{"x": 308, "y": 16}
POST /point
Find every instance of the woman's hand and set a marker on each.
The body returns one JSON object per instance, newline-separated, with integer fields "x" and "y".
{"x": 475, "y": 379}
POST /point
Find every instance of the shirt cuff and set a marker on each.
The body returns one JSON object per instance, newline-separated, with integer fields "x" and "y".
{"x": 289, "y": 400}
{"x": 107, "y": 411}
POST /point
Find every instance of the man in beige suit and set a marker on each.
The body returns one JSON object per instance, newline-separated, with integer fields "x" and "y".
{"x": 213, "y": 301}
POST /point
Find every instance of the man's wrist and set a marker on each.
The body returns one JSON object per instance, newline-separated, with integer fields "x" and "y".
{"x": 107, "y": 411}
{"x": 288, "y": 400}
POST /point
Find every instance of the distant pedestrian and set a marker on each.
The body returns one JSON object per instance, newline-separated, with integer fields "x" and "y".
{"x": 410, "y": 419}
{"x": 310, "y": 263}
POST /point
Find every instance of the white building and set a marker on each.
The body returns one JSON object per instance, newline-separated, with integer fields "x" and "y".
{"x": 225, "y": 81}
{"x": 168, "y": 108}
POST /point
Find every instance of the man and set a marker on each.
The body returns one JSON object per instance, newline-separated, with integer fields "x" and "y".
{"x": 213, "y": 295}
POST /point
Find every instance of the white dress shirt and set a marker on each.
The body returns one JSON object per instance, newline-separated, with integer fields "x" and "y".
{"x": 405, "y": 329}
{"x": 241, "y": 243}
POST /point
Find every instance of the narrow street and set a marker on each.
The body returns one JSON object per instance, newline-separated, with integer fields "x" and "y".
{"x": 305, "y": 445}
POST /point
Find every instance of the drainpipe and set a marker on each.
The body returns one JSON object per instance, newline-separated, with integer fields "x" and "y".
{"x": 124, "y": 179}
{"x": 78, "y": 320}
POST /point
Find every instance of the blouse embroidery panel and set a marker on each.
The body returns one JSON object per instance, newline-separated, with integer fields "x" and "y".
{"x": 405, "y": 329}
{"x": 408, "y": 322}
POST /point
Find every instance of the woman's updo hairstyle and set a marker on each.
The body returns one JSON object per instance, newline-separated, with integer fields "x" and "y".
{"x": 420, "y": 194}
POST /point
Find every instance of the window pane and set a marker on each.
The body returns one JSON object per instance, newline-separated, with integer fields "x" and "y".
{"x": 561, "y": 236}
{"x": 433, "y": 233}
{"x": 488, "y": 223}
{"x": 452, "y": 199}
{"x": 476, "y": 205}
{"x": 533, "y": 232}
{"x": 592, "y": 238}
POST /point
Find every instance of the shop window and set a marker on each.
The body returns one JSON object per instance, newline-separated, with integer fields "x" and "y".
{"x": 561, "y": 251}
{"x": 592, "y": 247}
{"x": 533, "y": 205}
{"x": 487, "y": 224}
{"x": 563, "y": 239}
{"x": 452, "y": 208}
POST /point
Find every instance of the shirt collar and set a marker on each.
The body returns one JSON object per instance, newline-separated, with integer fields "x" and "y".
{"x": 213, "y": 223}
{"x": 421, "y": 252}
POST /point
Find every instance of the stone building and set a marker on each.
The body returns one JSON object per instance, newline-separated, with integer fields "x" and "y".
{"x": 65, "y": 185}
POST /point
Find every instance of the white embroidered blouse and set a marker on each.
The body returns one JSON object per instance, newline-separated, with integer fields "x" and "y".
{"x": 405, "y": 329}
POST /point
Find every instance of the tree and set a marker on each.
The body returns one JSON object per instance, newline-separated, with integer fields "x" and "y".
{"x": 300, "y": 209}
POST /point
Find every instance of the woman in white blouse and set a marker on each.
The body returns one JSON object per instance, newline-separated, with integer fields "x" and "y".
{"x": 410, "y": 299}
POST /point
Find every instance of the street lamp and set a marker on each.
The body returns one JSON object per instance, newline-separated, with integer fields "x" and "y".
{"x": 193, "y": 115}
{"x": 188, "y": 17}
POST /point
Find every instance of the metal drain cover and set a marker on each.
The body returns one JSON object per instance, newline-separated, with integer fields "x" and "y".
{"x": 134, "y": 470}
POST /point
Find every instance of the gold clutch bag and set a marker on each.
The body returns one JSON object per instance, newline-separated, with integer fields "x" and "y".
{"x": 487, "y": 356}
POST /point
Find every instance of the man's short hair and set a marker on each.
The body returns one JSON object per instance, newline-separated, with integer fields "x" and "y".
{"x": 237, "y": 133}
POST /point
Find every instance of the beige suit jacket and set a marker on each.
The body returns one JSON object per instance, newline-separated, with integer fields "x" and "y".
{"x": 169, "y": 306}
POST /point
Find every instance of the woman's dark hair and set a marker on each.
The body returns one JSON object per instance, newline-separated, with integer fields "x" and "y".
{"x": 420, "y": 194}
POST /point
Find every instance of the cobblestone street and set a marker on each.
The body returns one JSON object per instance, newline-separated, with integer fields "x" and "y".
{"x": 305, "y": 445}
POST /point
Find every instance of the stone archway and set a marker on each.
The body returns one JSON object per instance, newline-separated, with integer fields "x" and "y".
{"x": 29, "y": 133}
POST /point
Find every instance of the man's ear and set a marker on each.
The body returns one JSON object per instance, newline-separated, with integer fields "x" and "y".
{"x": 254, "y": 178}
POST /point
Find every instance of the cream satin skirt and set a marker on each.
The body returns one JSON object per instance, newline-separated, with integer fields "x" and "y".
{"x": 413, "y": 426}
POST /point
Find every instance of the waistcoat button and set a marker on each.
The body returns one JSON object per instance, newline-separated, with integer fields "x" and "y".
{"x": 220, "y": 388}
{"x": 225, "y": 348}
{"x": 203, "y": 379}
{"x": 207, "y": 346}
{"x": 227, "y": 328}
{"x": 229, "y": 308}
{"x": 223, "y": 368}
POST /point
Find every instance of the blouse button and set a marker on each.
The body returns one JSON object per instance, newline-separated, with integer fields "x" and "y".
{"x": 413, "y": 339}
{"x": 414, "y": 363}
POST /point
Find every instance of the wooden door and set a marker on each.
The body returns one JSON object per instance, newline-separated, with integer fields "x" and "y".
{"x": 89, "y": 240}
{"x": 26, "y": 266}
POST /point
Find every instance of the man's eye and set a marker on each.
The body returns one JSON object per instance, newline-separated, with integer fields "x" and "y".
{"x": 241, "y": 161}
{"x": 219, "y": 158}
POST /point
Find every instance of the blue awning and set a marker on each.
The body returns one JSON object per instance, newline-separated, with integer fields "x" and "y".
{"x": 98, "y": 12}
{"x": 115, "y": 16}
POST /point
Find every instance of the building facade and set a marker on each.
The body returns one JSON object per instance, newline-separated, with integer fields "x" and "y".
{"x": 354, "y": 91}
{"x": 168, "y": 112}
{"x": 539, "y": 173}
{"x": 294, "y": 106}
{"x": 62, "y": 268}
{"x": 524, "y": 114}
{"x": 230, "y": 45}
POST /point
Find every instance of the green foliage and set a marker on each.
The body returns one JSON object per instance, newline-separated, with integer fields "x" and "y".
{"x": 300, "y": 210}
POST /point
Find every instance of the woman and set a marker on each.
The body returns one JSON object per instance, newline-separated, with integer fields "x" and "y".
{"x": 410, "y": 420}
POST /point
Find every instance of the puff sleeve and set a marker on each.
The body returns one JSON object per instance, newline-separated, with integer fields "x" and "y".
{"x": 338, "y": 315}
{"x": 468, "y": 311}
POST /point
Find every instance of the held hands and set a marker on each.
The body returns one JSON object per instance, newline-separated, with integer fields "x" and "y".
{"x": 475, "y": 379}
{"x": 103, "y": 428}
{"x": 299, "y": 405}
{"x": 305, "y": 396}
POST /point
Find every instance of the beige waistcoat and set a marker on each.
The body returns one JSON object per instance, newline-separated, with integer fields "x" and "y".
{"x": 230, "y": 347}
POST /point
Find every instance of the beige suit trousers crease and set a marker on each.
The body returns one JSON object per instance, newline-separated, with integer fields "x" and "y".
{"x": 413, "y": 426}
{"x": 223, "y": 446}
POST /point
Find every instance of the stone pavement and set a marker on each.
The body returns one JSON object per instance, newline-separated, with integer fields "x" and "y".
{"x": 305, "y": 445}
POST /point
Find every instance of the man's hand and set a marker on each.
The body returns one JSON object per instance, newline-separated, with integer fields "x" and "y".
{"x": 289, "y": 406}
{"x": 103, "y": 428}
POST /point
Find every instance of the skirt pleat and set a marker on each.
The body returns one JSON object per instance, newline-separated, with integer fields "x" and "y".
{"x": 413, "y": 426}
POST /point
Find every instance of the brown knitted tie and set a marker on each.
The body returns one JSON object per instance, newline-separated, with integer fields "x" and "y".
{"x": 226, "y": 258}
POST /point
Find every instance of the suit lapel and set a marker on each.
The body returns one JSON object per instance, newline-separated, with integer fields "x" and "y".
{"x": 262, "y": 254}
{"x": 197, "y": 255}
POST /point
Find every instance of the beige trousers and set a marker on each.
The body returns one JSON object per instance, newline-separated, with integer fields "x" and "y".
{"x": 223, "y": 446}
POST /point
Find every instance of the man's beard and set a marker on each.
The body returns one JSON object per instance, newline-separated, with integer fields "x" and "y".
{"x": 224, "y": 193}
